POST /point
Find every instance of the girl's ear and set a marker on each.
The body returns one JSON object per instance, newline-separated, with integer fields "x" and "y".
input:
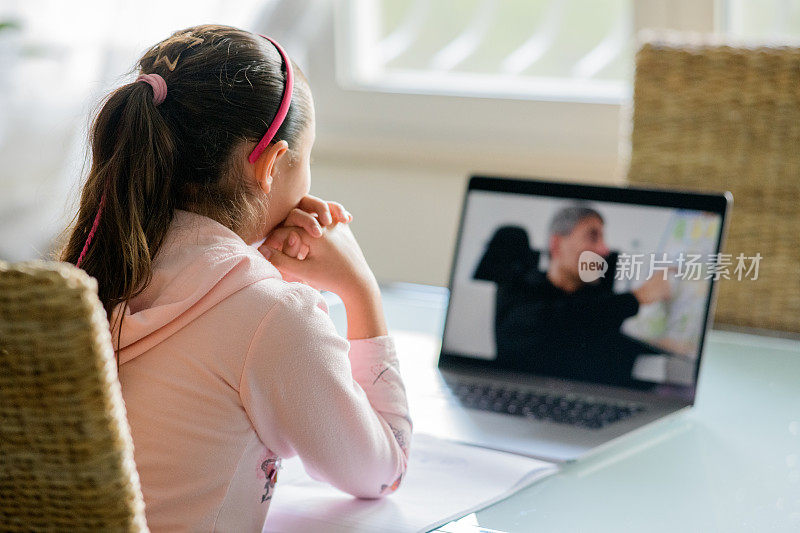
{"x": 265, "y": 164}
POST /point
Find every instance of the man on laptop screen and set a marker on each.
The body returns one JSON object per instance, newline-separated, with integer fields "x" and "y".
{"x": 565, "y": 322}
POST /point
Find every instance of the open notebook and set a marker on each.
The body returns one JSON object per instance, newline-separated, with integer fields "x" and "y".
{"x": 445, "y": 480}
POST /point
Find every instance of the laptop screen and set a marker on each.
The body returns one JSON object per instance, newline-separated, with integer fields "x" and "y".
{"x": 596, "y": 284}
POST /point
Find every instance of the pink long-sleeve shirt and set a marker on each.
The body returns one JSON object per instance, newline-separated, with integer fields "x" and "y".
{"x": 226, "y": 368}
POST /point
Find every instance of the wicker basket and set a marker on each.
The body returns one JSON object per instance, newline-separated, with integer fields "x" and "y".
{"x": 66, "y": 457}
{"x": 715, "y": 117}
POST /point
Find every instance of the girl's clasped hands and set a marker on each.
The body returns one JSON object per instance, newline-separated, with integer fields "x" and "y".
{"x": 314, "y": 245}
{"x": 306, "y": 222}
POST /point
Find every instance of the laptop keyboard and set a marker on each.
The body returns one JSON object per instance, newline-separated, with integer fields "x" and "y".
{"x": 575, "y": 410}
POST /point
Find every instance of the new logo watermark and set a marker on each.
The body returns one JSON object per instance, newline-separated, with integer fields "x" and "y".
{"x": 591, "y": 266}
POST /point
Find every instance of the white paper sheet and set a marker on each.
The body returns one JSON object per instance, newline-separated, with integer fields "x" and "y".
{"x": 445, "y": 480}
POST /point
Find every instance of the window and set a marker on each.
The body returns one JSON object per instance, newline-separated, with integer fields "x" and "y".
{"x": 542, "y": 49}
{"x": 564, "y": 50}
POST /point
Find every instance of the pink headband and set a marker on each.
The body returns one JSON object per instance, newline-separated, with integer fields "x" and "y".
{"x": 158, "y": 84}
{"x": 283, "y": 109}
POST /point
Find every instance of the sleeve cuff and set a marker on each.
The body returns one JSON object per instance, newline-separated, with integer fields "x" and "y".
{"x": 366, "y": 352}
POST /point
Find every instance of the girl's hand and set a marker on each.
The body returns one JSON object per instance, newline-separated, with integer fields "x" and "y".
{"x": 311, "y": 214}
{"x": 334, "y": 262}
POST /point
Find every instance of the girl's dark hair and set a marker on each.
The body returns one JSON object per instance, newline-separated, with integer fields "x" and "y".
{"x": 224, "y": 86}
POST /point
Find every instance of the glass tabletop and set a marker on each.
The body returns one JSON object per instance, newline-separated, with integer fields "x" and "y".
{"x": 731, "y": 463}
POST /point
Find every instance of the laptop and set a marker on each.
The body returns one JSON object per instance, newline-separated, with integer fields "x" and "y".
{"x": 577, "y": 313}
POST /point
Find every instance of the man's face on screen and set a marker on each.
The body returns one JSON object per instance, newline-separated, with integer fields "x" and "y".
{"x": 586, "y": 235}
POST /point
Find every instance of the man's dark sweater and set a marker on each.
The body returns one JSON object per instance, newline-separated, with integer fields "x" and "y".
{"x": 541, "y": 328}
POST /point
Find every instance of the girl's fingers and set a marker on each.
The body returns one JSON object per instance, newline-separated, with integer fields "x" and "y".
{"x": 313, "y": 205}
{"x": 339, "y": 213}
{"x": 303, "y": 253}
{"x": 291, "y": 269}
{"x": 307, "y": 221}
{"x": 326, "y": 213}
{"x": 287, "y": 240}
{"x": 275, "y": 240}
{"x": 288, "y": 266}
{"x": 293, "y": 245}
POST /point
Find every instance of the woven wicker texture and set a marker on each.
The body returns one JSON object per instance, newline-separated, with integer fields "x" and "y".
{"x": 66, "y": 456}
{"x": 715, "y": 117}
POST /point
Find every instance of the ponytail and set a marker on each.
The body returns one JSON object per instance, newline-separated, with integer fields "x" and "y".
{"x": 133, "y": 159}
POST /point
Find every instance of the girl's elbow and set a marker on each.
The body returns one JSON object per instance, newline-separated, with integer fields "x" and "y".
{"x": 379, "y": 473}
{"x": 378, "y": 490}
{"x": 396, "y": 479}
{"x": 376, "y": 487}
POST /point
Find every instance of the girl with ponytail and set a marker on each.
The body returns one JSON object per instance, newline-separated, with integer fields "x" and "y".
{"x": 227, "y": 358}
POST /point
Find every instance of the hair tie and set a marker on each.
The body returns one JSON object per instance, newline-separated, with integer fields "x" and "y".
{"x": 158, "y": 84}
